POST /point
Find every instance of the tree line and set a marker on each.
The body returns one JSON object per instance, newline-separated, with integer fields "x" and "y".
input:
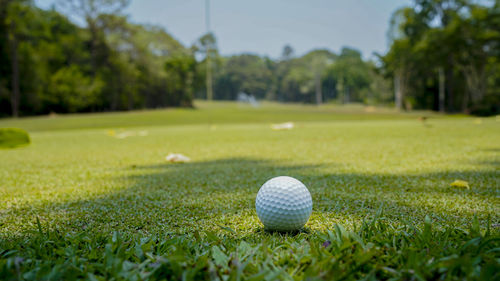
{"x": 316, "y": 77}
{"x": 50, "y": 64}
{"x": 444, "y": 55}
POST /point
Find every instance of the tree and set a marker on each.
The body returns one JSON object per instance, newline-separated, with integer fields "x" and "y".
{"x": 244, "y": 73}
{"x": 444, "y": 12}
{"x": 207, "y": 45}
{"x": 281, "y": 69}
{"x": 287, "y": 53}
{"x": 72, "y": 91}
{"x": 352, "y": 75}
{"x": 456, "y": 70}
{"x": 180, "y": 75}
{"x": 301, "y": 78}
{"x": 480, "y": 37}
{"x": 15, "y": 31}
{"x": 319, "y": 61}
{"x": 90, "y": 11}
{"x": 54, "y": 70}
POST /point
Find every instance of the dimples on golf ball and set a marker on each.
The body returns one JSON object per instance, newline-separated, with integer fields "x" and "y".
{"x": 283, "y": 203}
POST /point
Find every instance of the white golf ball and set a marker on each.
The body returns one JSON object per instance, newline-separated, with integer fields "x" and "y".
{"x": 283, "y": 203}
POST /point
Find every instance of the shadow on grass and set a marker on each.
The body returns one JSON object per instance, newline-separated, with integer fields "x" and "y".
{"x": 494, "y": 149}
{"x": 494, "y": 163}
{"x": 180, "y": 198}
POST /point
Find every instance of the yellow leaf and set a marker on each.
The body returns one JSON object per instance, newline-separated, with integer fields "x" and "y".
{"x": 460, "y": 183}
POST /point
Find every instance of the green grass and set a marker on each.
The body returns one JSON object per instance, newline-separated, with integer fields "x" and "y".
{"x": 81, "y": 203}
{"x": 208, "y": 113}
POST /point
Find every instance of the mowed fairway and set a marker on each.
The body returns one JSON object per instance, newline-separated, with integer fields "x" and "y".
{"x": 93, "y": 197}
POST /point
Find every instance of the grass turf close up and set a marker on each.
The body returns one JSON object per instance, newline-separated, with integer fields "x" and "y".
{"x": 93, "y": 197}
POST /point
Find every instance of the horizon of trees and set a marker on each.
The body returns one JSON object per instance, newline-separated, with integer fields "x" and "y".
{"x": 318, "y": 76}
{"x": 444, "y": 56}
{"x": 50, "y": 64}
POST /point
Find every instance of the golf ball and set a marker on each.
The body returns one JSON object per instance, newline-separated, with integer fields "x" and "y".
{"x": 283, "y": 203}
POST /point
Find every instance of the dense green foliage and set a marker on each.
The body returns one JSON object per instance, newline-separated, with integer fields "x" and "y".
{"x": 13, "y": 137}
{"x": 49, "y": 64}
{"x": 455, "y": 41}
{"x": 443, "y": 56}
{"x": 318, "y": 76}
{"x": 84, "y": 202}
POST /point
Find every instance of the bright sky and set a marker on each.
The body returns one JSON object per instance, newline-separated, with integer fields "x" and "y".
{"x": 265, "y": 26}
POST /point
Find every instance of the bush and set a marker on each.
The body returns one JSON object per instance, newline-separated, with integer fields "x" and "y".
{"x": 485, "y": 110}
{"x": 13, "y": 137}
{"x": 72, "y": 91}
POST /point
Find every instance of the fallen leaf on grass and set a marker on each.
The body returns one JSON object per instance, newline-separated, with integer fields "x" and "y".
{"x": 370, "y": 109}
{"x": 282, "y": 126}
{"x": 126, "y": 134}
{"x": 177, "y": 158}
{"x": 460, "y": 183}
{"x": 227, "y": 228}
{"x": 422, "y": 118}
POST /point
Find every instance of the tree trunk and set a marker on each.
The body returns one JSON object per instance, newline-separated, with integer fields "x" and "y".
{"x": 115, "y": 96}
{"x": 319, "y": 94}
{"x": 210, "y": 93}
{"x": 465, "y": 102}
{"x": 15, "y": 94}
{"x": 398, "y": 93}
{"x": 130, "y": 100}
{"x": 476, "y": 85}
{"x": 441, "y": 90}
{"x": 93, "y": 45}
{"x": 449, "y": 84}
{"x": 340, "y": 90}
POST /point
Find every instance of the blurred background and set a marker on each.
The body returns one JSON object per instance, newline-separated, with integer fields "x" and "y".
{"x": 117, "y": 55}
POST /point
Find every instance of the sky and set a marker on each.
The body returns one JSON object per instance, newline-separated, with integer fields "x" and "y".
{"x": 264, "y": 27}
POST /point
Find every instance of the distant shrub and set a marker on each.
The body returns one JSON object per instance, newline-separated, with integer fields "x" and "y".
{"x": 485, "y": 110}
{"x": 13, "y": 137}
